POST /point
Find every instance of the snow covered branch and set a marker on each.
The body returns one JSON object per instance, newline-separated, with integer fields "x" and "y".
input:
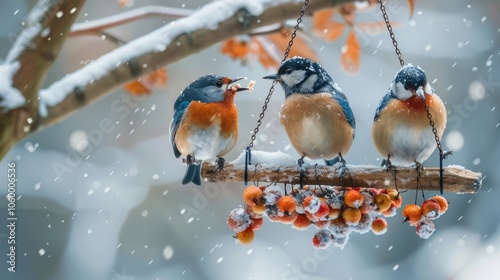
{"x": 278, "y": 167}
{"x": 456, "y": 179}
{"x": 26, "y": 64}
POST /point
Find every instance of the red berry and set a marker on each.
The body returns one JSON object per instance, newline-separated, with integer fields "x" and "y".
{"x": 301, "y": 222}
{"x": 425, "y": 228}
{"x": 323, "y": 211}
{"x": 322, "y": 239}
{"x": 443, "y": 204}
{"x": 238, "y": 220}
{"x": 256, "y": 223}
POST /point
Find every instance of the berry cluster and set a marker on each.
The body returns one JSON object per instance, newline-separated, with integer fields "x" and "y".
{"x": 422, "y": 216}
{"x": 335, "y": 211}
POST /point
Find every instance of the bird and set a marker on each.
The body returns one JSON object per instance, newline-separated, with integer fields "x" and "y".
{"x": 205, "y": 123}
{"x": 315, "y": 114}
{"x": 401, "y": 129}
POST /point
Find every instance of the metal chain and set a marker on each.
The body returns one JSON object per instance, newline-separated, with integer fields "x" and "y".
{"x": 391, "y": 33}
{"x": 271, "y": 90}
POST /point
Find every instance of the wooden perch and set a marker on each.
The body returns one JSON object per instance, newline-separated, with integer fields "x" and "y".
{"x": 456, "y": 180}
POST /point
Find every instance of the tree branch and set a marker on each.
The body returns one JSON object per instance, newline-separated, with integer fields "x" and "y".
{"x": 456, "y": 180}
{"x": 163, "y": 46}
{"x": 35, "y": 50}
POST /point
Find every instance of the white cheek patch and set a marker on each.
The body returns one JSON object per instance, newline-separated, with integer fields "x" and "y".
{"x": 294, "y": 78}
{"x": 398, "y": 89}
{"x": 308, "y": 84}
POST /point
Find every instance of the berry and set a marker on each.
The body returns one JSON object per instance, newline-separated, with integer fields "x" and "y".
{"x": 287, "y": 204}
{"x": 425, "y": 228}
{"x": 430, "y": 209}
{"x": 395, "y": 197}
{"x": 391, "y": 212}
{"x": 412, "y": 213}
{"x": 257, "y": 209}
{"x": 323, "y": 211}
{"x": 368, "y": 203}
{"x": 252, "y": 195}
{"x": 245, "y": 237}
{"x": 379, "y": 226}
{"x": 338, "y": 227}
{"x": 272, "y": 195}
{"x": 353, "y": 199}
{"x": 312, "y": 204}
{"x": 288, "y": 218}
{"x": 322, "y": 239}
{"x": 364, "y": 224}
{"x": 301, "y": 222}
{"x": 443, "y": 204}
{"x": 333, "y": 213}
{"x": 351, "y": 216}
{"x": 322, "y": 224}
{"x": 238, "y": 220}
{"x": 383, "y": 202}
{"x": 256, "y": 223}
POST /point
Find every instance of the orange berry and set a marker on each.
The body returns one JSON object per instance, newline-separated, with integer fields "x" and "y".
{"x": 245, "y": 237}
{"x": 288, "y": 218}
{"x": 443, "y": 204}
{"x": 383, "y": 202}
{"x": 412, "y": 213}
{"x": 395, "y": 196}
{"x": 311, "y": 204}
{"x": 252, "y": 195}
{"x": 287, "y": 204}
{"x": 334, "y": 213}
{"x": 323, "y": 211}
{"x": 391, "y": 212}
{"x": 353, "y": 198}
{"x": 302, "y": 222}
{"x": 258, "y": 209}
{"x": 430, "y": 209}
{"x": 256, "y": 223}
{"x": 379, "y": 226}
{"x": 351, "y": 216}
{"x": 322, "y": 224}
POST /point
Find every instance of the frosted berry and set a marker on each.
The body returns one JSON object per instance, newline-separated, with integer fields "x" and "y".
{"x": 430, "y": 209}
{"x": 323, "y": 211}
{"x": 256, "y": 223}
{"x": 351, "y": 216}
{"x": 425, "y": 228}
{"x": 322, "y": 239}
{"x": 353, "y": 198}
{"x": 238, "y": 220}
{"x": 288, "y": 218}
{"x": 252, "y": 195}
{"x": 312, "y": 204}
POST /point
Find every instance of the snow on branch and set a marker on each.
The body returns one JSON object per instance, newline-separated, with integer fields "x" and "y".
{"x": 281, "y": 168}
{"x": 213, "y": 23}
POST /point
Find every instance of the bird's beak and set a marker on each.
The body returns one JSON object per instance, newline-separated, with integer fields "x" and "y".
{"x": 272, "y": 77}
{"x": 420, "y": 93}
{"x": 235, "y": 80}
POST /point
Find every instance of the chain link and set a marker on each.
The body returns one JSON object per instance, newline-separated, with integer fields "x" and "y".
{"x": 271, "y": 90}
{"x": 391, "y": 33}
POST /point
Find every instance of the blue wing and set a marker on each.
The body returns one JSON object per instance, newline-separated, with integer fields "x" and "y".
{"x": 383, "y": 103}
{"x": 340, "y": 97}
{"x": 180, "y": 109}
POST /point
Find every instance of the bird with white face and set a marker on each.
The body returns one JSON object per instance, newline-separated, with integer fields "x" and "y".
{"x": 316, "y": 114}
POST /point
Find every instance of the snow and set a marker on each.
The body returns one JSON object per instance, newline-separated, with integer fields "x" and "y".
{"x": 10, "y": 97}
{"x": 208, "y": 17}
{"x": 262, "y": 157}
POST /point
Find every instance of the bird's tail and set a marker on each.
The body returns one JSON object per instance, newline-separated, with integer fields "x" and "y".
{"x": 193, "y": 174}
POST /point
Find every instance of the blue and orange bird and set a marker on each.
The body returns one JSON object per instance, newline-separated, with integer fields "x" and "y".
{"x": 316, "y": 114}
{"x": 401, "y": 130}
{"x": 205, "y": 123}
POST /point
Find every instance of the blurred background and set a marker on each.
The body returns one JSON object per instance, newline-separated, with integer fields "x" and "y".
{"x": 120, "y": 212}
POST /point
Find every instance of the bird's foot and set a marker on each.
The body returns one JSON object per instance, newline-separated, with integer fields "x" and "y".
{"x": 391, "y": 168}
{"x": 189, "y": 160}
{"x": 343, "y": 171}
{"x": 446, "y": 154}
{"x": 302, "y": 171}
{"x": 220, "y": 162}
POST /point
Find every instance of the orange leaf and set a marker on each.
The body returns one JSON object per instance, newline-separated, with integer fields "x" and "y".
{"x": 331, "y": 30}
{"x": 300, "y": 46}
{"x": 375, "y": 28}
{"x": 264, "y": 56}
{"x": 411, "y": 5}
{"x": 124, "y": 3}
{"x": 147, "y": 83}
{"x": 322, "y": 17}
{"x": 235, "y": 49}
{"x": 348, "y": 13}
{"x": 352, "y": 53}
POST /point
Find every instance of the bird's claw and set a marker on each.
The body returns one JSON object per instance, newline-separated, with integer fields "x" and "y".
{"x": 446, "y": 154}
{"x": 189, "y": 160}
{"x": 220, "y": 162}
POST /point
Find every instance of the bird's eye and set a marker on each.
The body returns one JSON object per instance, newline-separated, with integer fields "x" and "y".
{"x": 219, "y": 83}
{"x": 288, "y": 71}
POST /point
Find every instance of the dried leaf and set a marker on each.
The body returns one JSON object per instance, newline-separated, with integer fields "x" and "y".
{"x": 300, "y": 46}
{"x": 411, "y": 5}
{"x": 348, "y": 13}
{"x": 322, "y": 17}
{"x": 147, "y": 83}
{"x": 351, "y": 54}
{"x": 235, "y": 48}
